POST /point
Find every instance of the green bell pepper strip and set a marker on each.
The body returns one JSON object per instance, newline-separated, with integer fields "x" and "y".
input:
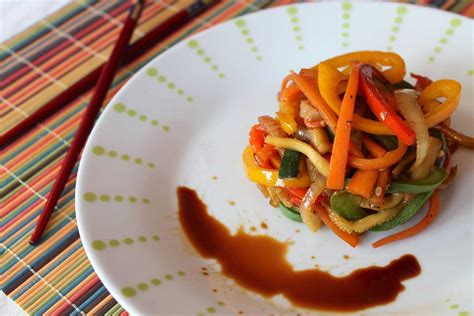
{"x": 433, "y": 180}
{"x": 346, "y": 205}
{"x": 407, "y": 213}
{"x": 292, "y": 213}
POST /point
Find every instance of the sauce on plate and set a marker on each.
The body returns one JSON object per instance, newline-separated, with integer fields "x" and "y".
{"x": 258, "y": 263}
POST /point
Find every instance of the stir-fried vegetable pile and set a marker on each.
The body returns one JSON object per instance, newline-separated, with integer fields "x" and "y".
{"x": 356, "y": 147}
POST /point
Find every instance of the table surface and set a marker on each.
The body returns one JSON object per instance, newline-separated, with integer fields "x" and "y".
{"x": 21, "y": 14}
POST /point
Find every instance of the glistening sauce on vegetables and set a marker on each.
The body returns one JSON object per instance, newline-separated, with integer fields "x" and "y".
{"x": 258, "y": 263}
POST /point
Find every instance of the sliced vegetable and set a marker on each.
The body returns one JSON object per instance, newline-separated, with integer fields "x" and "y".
{"x": 394, "y": 65}
{"x": 263, "y": 152}
{"x": 387, "y": 202}
{"x": 418, "y": 228}
{"x": 269, "y": 177}
{"x": 346, "y": 205}
{"x": 351, "y": 239}
{"x": 286, "y": 116}
{"x": 375, "y": 149}
{"x": 311, "y": 197}
{"x": 288, "y": 143}
{"x": 412, "y": 112}
{"x": 292, "y": 213}
{"x": 313, "y": 96}
{"x": 363, "y": 182}
{"x": 289, "y": 164}
{"x": 318, "y": 137}
{"x": 449, "y": 89}
{"x": 271, "y": 126}
{"x": 389, "y": 159}
{"x": 365, "y": 223}
{"x": 434, "y": 147}
{"x": 458, "y": 137}
{"x": 421, "y": 82}
{"x": 381, "y": 109}
{"x": 388, "y": 141}
{"x": 291, "y": 94}
{"x": 433, "y": 180}
{"x": 329, "y": 79}
{"x": 403, "y": 85}
{"x": 342, "y": 139}
{"x": 381, "y": 186}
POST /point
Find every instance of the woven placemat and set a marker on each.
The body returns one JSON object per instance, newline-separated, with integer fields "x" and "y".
{"x": 56, "y": 277}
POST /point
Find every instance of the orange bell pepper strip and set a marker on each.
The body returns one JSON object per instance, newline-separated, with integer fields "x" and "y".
{"x": 351, "y": 239}
{"x": 396, "y": 65}
{"x": 337, "y": 165}
{"x": 418, "y": 228}
{"x": 449, "y": 89}
{"x": 389, "y": 159}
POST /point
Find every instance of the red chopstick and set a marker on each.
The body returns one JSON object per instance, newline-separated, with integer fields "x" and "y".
{"x": 87, "y": 122}
{"x": 133, "y": 52}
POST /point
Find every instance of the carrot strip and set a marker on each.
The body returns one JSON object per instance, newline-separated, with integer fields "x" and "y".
{"x": 355, "y": 150}
{"x": 351, "y": 239}
{"x": 337, "y": 165}
{"x": 418, "y": 228}
{"x": 292, "y": 94}
{"x": 313, "y": 96}
{"x": 382, "y": 183}
{"x": 387, "y": 160}
{"x": 375, "y": 149}
{"x": 363, "y": 182}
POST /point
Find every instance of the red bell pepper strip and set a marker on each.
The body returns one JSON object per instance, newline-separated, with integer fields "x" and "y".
{"x": 382, "y": 110}
{"x": 263, "y": 152}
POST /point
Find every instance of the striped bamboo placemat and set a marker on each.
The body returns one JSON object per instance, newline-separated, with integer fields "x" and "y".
{"x": 56, "y": 277}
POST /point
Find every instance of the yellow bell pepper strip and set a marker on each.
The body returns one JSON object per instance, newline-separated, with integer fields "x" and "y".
{"x": 394, "y": 74}
{"x": 329, "y": 79}
{"x": 269, "y": 177}
{"x": 286, "y": 116}
{"x": 381, "y": 109}
{"x": 387, "y": 160}
{"x": 449, "y": 89}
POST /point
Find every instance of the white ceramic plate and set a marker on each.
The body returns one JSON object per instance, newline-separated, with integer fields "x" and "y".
{"x": 184, "y": 120}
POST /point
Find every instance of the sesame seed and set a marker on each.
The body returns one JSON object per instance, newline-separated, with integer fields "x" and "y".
{"x": 383, "y": 115}
{"x": 378, "y": 191}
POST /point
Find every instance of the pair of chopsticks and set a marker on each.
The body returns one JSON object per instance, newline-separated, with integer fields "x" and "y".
{"x": 132, "y": 52}
{"x": 105, "y": 74}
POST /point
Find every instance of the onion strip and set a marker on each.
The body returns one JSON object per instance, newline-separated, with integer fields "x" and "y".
{"x": 410, "y": 109}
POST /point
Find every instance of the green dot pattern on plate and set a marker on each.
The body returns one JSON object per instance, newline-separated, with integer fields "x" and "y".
{"x": 130, "y": 291}
{"x": 156, "y": 238}
{"x": 142, "y": 286}
{"x": 470, "y": 72}
{"x": 201, "y": 53}
{"x": 450, "y": 31}
{"x": 296, "y": 27}
{"x": 114, "y": 243}
{"x": 99, "y": 245}
{"x": 143, "y": 118}
{"x": 464, "y": 314}
{"x": 400, "y": 12}
{"x": 244, "y": 30}
{"x": 142, "y": 239}
{"x": 454, "y": 306}
{"x": 170, "y": 85}
{"x": 100, "y": 150}
{"x": 346, "y": 16}
{"x": 220, "y": 303}
{"x": 92, "y": 197}
{"x": 128, "y": 241}
{"x": 104, "y": 198}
